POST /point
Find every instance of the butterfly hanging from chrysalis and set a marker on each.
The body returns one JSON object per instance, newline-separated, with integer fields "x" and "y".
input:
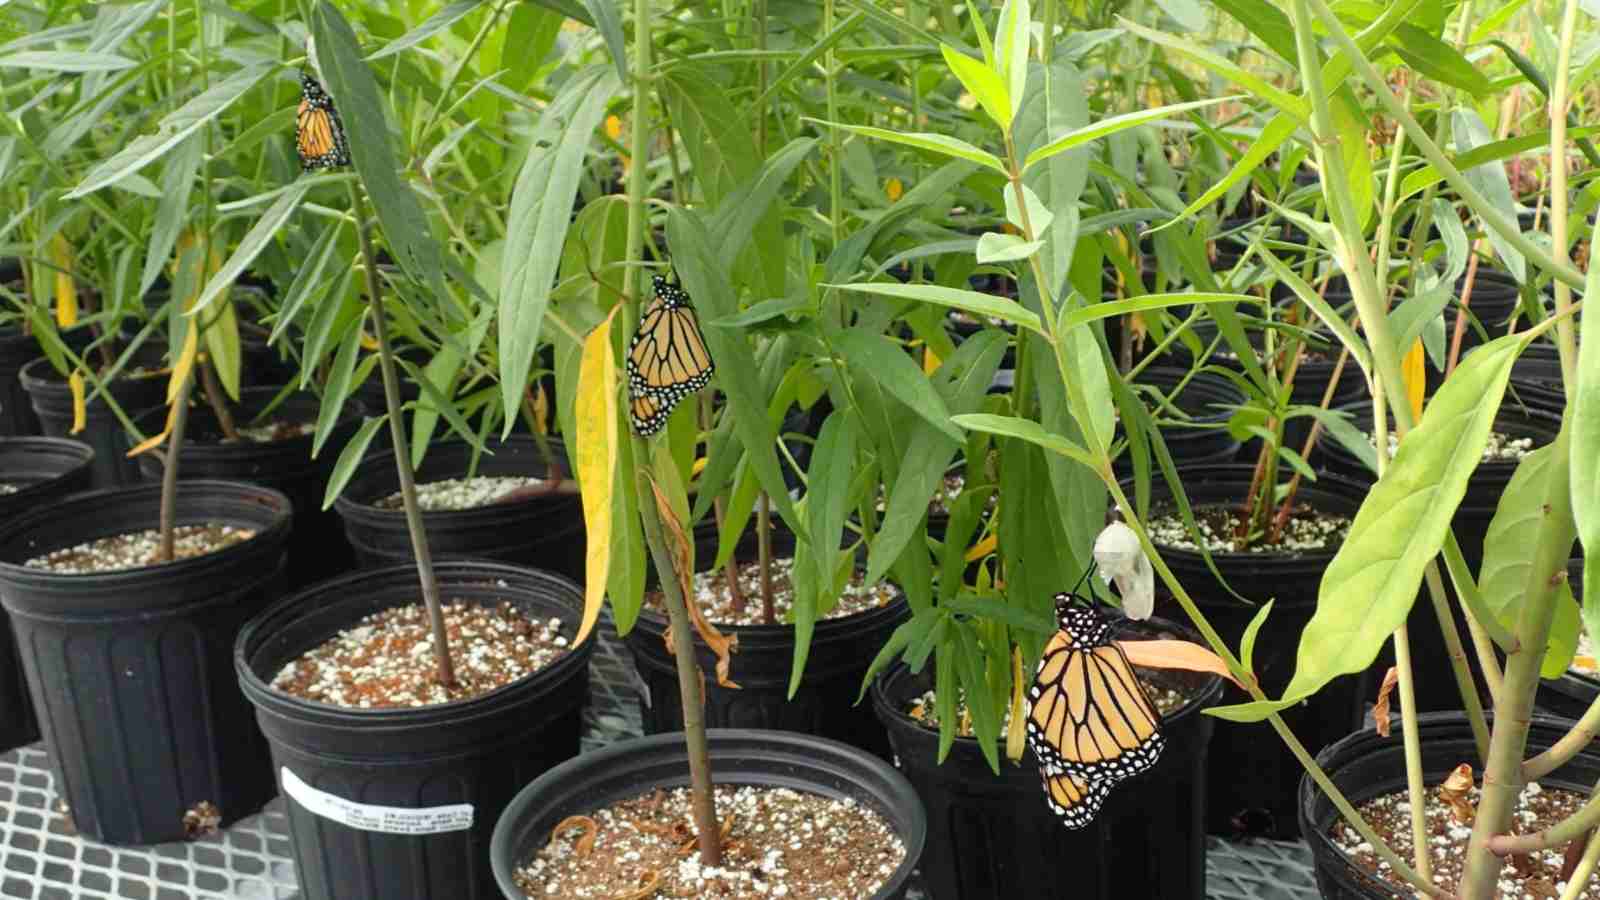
{"x": 1090, "y": 722}
{"x": 319, "y": 133}
{"x": 667, "y": 359}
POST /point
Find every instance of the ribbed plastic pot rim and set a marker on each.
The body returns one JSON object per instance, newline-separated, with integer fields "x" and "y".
{"x": 352, "y": 411}
{"x": 842, "y": 626}
{"x": 366, "y": 511}
{"x": 450, "y": 571}
{"x": 801, "y": 747}
{"x": 52, "y": 445}
{"x": 21, "y": 574}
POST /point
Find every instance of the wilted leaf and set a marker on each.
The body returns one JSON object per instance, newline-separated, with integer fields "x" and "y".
{"x": 1169, "y": 654}
{"x": 595, "y": 453}
{"x": 1380, "y": 709}
{"x": 682, "y": 551}
{"x": 1456, "y": 791}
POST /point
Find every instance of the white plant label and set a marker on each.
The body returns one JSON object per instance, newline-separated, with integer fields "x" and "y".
{"x": 384, "y": 819}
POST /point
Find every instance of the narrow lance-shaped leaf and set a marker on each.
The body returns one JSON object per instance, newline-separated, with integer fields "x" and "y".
{"x": 541, "y": 210}
{"x": 827, "y": 502}
{"x": 876, "y": 357}
{"x": 1113, "y": 125}
{"x": 1012, "y": 38}
{"x": 933, "y": 143}
{"x": 174, "y": 127}
{"x": 435, "y": 23}
{"x": 1585, "y": 439}
{"x": 966, "y": 301}
{"x": 253, "y": 243}
{"x": 596, "y": 463}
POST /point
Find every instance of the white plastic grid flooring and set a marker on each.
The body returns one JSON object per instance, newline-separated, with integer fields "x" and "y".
{"x": 41, "y": 858}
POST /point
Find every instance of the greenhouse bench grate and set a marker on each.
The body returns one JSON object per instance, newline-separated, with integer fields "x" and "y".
{"x": 42, "y": 858}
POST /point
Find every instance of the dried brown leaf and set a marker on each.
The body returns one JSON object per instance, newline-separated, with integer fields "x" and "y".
{"x": 591, "y": 830}
{"x": 1575, "y": 855}
{"x": 1456, "y": 790}
{"x": 652, "y": 883}
{"x": 681, "y": 549}
{"x": 1380, "y": 710}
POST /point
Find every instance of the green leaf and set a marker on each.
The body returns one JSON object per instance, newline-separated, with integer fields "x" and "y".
{"x": 1492, "y": 23}
{"x": 1012, "y": 38}
{"x": 907, "y": 633}
{"x": 1055, "y": 104}
{"x": 1113, "y": 125}
{"x": 1266, "y": 22}
{"x": 1000, "y": 611}
{"x": 174, "y": 127}
{"x": 537, "y": 223}
{"x": 1438, "y": 60}
{"x": 833, "y": 466}
{"x": 1585, "y": 440}
{"x": 1350, "y": 123}
{"x": 805, "y": 61}
{"x": 308, "y": 280}
{"x": 608, "y": 20}
{"x": 361, "y": 105}
{"x": 259, "y": 236}
{"x": 1226, "y": 68}
{"x": 435, "y": 23}
{"x": 1508, "y": 559}
{"x": 743, "y": 212}
{"x": 995, "y": 247}
{"x": 1329, "y": 316}
{"x": 1145, "y": 303}
{"x": 1247, "y": 645}
{"x": 177, "y": 180}
{"x": 876, "y": 357}
{"x": 1492, "y": 182}
{"x": 1272, "y": 137}
{"x": 65, "y": 61}
{"x": 1370, "y": 585}
{"x": 1027, "y": 430}
{"x": 350, "y": 457}
{"x": 935, "y": 143}
{"x": 706, "y": 279}
{"x": 338, "y": 390}
{"x": 765, "y": 311}
{"x": 967, "y": 301}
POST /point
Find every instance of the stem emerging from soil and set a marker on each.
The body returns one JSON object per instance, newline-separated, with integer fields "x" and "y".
{"x": 169, "y": 470}
{"x": 402, "y": 455}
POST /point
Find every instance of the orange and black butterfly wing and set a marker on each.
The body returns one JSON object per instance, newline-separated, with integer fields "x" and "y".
{"x": 1089, "y": 715}
{"x": 319, "y": 134}
{"x": 667, "y": 359}
{"x": 1074, "y": 799}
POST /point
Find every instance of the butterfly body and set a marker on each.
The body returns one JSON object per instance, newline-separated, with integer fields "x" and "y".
{"x": 1090, "y": 723}
{"x": 667, "y": 359}
{"x": 319, "y": 132}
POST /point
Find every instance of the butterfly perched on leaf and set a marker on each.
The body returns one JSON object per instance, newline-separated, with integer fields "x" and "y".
{"x": 667, "y": 359}
{"x": 1090, "y": 722}
{"x": 319, "y": 133}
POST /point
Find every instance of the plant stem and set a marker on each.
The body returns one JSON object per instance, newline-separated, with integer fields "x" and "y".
{"x": 1413, "y": 751}
{"x": 830, "y": 76}
{"x": 1571, "y": 744}
{"x": 1502, "y": 776}
{"x": 217, "y": 400}
{"x": 397, "y": 436}
{"x": 1580, "y": 875}
{"x": 689, "y": 678}
{"x": 764, "y": 541}
{"x": 169, "y": 473}
{"x": 761, "y": 78}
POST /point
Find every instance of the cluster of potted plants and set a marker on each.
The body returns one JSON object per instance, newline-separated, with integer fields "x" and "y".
{"x": 822, "y": 343}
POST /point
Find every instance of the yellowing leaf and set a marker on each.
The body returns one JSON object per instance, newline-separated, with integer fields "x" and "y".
{"x": 983, "y": 548}
{"x": 155, "y": 440}
{"x": 1016, "y": 730}
{"x": 894, "y": 189}
{"x": 1176, "y": 655}
{"x": 75, "y": 382}
{"x": 1416, "y": 379}
{"x": 596, "y": 462}
{"x": 698, "y": 466}
{"x": 541, "y": 410}
{"x": 66, "y": 290}
{"x": 368, "y": 342}
{"x": 614, "y": 128}
{"x": 184, "y": 365}
{"x": 930, "y": 361}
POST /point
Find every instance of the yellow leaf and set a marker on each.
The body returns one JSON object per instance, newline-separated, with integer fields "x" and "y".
{"x": 698, "y": 467}
{"x": 1416, "y": 379}
{"x": 894, "y": 189}
{"x": 155, "y": 440}
{"x": 930, "y": 361}
{"x": 596, "y": 462}
{"x": 75, "y": 382}
{"x": 983, "y": 548}
{"x": 614, "y": 127}
{"x": 1175, "y": 655}
{"x": 541, "y": 410}
{"x": 184, "y": 365}
{"x": 66, "y": 288}
{"x": 1017, "y": 731}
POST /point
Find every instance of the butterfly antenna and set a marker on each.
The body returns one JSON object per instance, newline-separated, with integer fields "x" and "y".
{"x": 1084, "y": 578}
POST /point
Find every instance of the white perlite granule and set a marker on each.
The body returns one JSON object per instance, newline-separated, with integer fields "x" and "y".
{"x": 138, "y": 548}
{"x": 9, "y": 487}
{"x": 270, "y": 432}
{"x": 455, "y": 494}
{"x": 1501, "y": 447}
{"x": 1303, "y": 533}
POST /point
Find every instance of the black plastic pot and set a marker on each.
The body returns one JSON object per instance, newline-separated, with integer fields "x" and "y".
{"x": 825, "y": 705}
{"x": 52, "y": 403}
{"x": 1364, "y": 766}
{"x": 317, "y": 548}
{"x": 51, "y": 468}
{"x": 776, "y": 759}
{"x": 130, "y": 672}
{"x": 17, "y": 418}
{"x": 542, "y": 532}
{"x": 1536, "y": 380}
{"x": 477, "y": 752}
{"x": 1209, "y": 400}
{"x": 1255, "y": 772}
{"x": 993, "y": 836}
{"x": 1493, "y": 303}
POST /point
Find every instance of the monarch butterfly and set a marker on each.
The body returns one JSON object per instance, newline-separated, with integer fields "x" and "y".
{"x": 319, "y": 135}
{"x": 667, "y": 360}
{"x": 1090, "y": 723}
